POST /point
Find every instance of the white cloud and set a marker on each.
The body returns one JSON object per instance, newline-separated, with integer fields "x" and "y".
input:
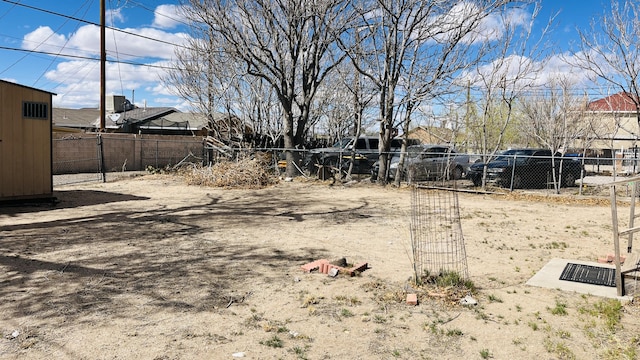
{"x": 541, "y": 73}
{"x": 126, "y": 44}
{"x": 168, "y": 16}
{"x": 560, "y": 67}
{"x": 77, "y": 81}
{"x": 43, "y": 39}
{"x": 143, "y": 45}
{"x": 115, "y": 15}
{"x": 493, "y": 27}
{"x": 80, "y": 82}
{"x": 489, "y": 28}
{"x": 11, "y": 80}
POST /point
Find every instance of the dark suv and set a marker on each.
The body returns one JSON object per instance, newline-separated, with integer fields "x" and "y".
{"x": 527, "y": 168}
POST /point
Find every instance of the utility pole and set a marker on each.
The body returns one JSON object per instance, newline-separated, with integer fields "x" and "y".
{"x": 103, "y": 61}
{"x": 103, "y": 86}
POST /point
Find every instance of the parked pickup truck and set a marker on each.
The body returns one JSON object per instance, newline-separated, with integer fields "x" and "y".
{"x": 527, "y": 168}
{"x": 339, "y": 155}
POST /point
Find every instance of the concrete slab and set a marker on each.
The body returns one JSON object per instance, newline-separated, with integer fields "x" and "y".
{"x": 549, "y": 277}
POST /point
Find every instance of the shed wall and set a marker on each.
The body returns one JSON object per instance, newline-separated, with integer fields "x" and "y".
{"x": 25, "y": 145}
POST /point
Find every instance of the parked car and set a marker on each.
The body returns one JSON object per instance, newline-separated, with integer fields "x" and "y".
{"x": 428, "y": 162}
{"x": 527, "y": 168}
{"x": 339, "y": 155}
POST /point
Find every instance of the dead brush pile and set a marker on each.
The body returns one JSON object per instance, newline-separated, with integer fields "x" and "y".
{"x": 250, "y": 173}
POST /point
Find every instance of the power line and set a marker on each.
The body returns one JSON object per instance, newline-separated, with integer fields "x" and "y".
{"x": 89, "y": 58}
{"x": 115, "y": 44}
{"x": 142, "y": 6}
{"x": 88, "y": 2}
{"x": 92, "y": 23}
{"x": 8, "y": 11}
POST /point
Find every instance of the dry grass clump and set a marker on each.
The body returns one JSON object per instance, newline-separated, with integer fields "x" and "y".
{"x": 251, "y": 173}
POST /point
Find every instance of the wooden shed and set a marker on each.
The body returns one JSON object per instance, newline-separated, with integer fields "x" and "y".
{"x": 25, "y": 143}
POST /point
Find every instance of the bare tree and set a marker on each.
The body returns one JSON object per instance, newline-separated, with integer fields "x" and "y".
{"x": 289, "y": 44}
{"x": 554, "y": 118}
{"x": 240, "y": 109}
{"x": 427, "y": 39}
{"x": 513, "y": 66}
{"x": 610, "y": 49}
{"x": 205, "y": 78}
{"x": 262, "y": 111}
{"x": 361, "y": 92}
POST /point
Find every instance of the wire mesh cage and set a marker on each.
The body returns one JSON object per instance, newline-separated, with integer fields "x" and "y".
{"x": 437, "y": 242}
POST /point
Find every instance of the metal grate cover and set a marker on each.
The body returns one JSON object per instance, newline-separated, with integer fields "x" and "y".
{"x": 589, "y": 274}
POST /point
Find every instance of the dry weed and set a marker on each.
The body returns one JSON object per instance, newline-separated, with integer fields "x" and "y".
{"x": 251, "y": 173}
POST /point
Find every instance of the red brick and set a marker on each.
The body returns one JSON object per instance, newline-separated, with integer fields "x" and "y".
{"x": 359, "y": 268}
{"x": 314, "y": 265}
{"x": 412, "y": 299}
{"x": 612, "y": 257}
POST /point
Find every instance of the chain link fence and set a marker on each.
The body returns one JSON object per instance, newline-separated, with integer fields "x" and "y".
{"x": 78, "y": 159}
{"x": 75, "y": 160}
{"x": 90, "y": 158}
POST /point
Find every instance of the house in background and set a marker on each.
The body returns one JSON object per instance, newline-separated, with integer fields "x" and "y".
{"x": 25, "y": 143}
{"x": 613, "y": 123}
{"x": 432, "y": 135}
{"x": 124, "y": 117}
{"x": 121, "y": 117}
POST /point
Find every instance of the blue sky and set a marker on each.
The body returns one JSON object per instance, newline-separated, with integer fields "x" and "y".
{"x": 24, "y": 28}
{"x": 76, "y": 80}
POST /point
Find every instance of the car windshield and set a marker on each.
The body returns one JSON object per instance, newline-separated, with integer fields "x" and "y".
{"x": 413, "y": 151}
{"x": 514, "y": 153}
{"x": 343, "y": 143}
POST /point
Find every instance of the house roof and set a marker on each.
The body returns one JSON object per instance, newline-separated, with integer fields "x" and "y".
{"x": 89, "y": 118}
{"x": 147, "y": 113}
{"x": 175, "y": 121}
{"x": 196, "y": 121}
{"x": 77, "y": 118}
{"x": 620, "y": 102}
{"x": 151, "y": 118}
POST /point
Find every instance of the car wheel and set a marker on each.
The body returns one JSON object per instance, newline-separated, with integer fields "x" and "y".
{"x": 331, "y": 163}
{"x": 456, "y": 173}
{"x": 374, "y": 175}
{"x": 568, "y": 180}
{"x": 403, "y": 175}
{"x": 516, "y": 182}
{"x": 476, "y": 180}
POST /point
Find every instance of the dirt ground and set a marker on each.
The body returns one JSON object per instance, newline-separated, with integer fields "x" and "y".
{"x": 150, "y": 268}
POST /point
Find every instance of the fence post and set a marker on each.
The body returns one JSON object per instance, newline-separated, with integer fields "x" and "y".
{"x": 513, "y": 171}
{"x": 101, "y": 158}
